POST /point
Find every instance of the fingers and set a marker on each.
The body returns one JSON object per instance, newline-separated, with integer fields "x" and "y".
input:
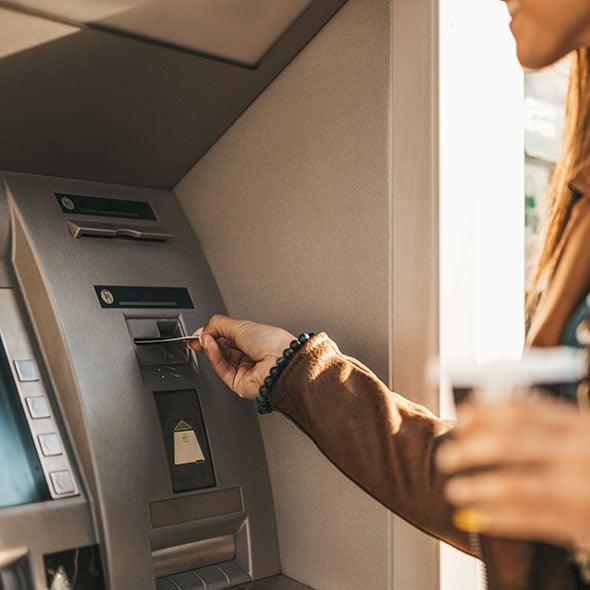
{"x": 515, "y": 432}
{"x": 516, "y": 522}
{"x": 503, "y": 486}
{"x": 232, "y": 366}
{"x": 511, "y": 506}
{"x": 222, "y": 326}
{"x": 241, "y": 352}
{"x": 220, "y": 362}
{"x": 196, "y": 344}
{"x": 520, "y": 470}
{"x": 258, "y": 341}
{"x": 219, "y": 327}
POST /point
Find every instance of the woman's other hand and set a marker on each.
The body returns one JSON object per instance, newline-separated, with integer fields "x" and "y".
{"x": 530, "y": 470}
{"x": 241, "y": 352}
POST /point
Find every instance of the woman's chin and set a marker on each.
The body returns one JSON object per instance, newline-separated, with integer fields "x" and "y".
{"x": 530, "y": 58}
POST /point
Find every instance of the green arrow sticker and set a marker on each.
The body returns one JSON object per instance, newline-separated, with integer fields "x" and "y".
{"x": 182, "y": 425}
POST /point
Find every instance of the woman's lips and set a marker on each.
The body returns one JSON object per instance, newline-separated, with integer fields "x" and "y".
{"x": 513, "y": 7}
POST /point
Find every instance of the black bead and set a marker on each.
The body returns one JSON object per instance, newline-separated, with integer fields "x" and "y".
{"x": 262, "y": 399}
{"x": 263, "y": 406}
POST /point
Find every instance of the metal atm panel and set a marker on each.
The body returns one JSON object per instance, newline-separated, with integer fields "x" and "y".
{"x": 159, "y": 508}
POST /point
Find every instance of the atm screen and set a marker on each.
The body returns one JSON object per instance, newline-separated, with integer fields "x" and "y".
{"x": 21, "y": 477}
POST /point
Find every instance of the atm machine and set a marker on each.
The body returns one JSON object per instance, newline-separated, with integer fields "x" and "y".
{"x": 125, "y": 461}
{"x": 123, "y": 465}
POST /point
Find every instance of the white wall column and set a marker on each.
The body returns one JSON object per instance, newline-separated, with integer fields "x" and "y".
{"x": 317, "y": 210}
{"x": 481, "y": 204}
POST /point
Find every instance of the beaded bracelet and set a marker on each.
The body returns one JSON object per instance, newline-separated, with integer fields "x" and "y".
{"x": 263, "y": 397}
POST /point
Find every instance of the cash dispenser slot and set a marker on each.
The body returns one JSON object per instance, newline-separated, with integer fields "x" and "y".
{"x": 90, "y": 229}
{"x": 171, "y": 560}
{"x": 218, "y": 576}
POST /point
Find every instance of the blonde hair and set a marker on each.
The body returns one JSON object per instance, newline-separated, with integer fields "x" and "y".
{"x": 575, "y": 155}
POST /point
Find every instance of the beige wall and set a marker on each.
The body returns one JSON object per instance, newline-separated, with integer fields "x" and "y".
{"x": 314, "y": 215}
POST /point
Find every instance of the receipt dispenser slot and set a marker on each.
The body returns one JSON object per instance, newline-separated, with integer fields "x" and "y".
{"x": 89, "y": 229}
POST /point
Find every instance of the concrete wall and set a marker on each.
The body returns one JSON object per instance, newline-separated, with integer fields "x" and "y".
{"x": 316, "y": 212}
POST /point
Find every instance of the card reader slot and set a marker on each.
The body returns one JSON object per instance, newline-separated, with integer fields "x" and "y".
{"x": 82, "y": 229}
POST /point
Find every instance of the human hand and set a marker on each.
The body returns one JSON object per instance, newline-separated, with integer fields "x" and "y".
{"x": 241, "y": 352}
{"x": 530, "y": 470}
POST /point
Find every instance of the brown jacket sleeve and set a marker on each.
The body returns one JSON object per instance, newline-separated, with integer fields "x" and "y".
{"x": 379, "y": 439}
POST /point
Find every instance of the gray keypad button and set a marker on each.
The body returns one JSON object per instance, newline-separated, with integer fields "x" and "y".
{"x": 62, "y": 482}
{"x": 50, "y": 444}
{"x": 38, "y": 407}
{"x": 26, "y": 370}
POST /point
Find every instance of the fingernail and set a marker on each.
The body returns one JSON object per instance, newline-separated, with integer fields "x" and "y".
{"x": 471, "y": 520}
{"x": 456, "y": 492}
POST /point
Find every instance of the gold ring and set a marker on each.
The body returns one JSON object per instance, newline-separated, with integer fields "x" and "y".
{"x": 471, "y": 520}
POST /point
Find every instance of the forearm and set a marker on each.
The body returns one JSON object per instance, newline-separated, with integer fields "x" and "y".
{"x": 379, "y": 439}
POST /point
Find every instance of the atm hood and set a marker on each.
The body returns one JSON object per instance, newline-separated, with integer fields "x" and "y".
{"x": 240, "y": 31}
{"x": 136, "y": 91}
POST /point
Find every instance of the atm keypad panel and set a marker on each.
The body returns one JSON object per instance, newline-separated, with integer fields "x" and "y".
{"x": 36, "y": 415}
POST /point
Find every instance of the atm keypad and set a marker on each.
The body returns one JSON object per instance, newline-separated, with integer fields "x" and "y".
{"x": 36, "y": 405}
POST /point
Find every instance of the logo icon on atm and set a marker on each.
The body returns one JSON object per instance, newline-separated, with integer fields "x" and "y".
{"x": 68, "y": 203}
{"x": 107, "y": 296}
